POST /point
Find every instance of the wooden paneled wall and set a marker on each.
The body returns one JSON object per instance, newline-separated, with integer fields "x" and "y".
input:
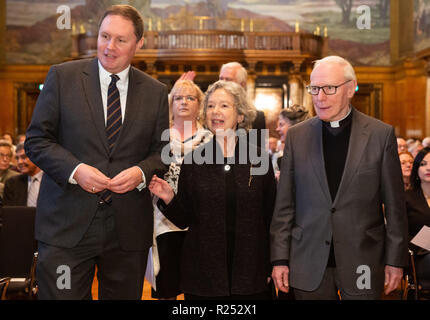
{"x": 404, "y": 94}
{"x": 12, "y": 78}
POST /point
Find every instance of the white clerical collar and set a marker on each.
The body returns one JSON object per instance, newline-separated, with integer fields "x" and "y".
{"x": 336, "y": 124}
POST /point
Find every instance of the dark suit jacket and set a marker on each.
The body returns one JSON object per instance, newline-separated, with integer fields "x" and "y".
{"x": 306, "y": 219}
{"x": 201, "y": 205}
{"x": 68, "y": 128}
{"x": 15, "y": 191}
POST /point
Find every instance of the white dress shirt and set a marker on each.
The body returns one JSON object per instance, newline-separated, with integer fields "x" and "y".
{"x": 33, "y": 188}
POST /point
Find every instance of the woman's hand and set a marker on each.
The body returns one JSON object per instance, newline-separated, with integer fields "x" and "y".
{"x": 161, "y": 189}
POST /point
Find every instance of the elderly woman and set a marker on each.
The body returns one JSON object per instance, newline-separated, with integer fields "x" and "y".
{"x": 418, "y": 209}
{"x": 225, "y": 203}
{"x": 406, "y": 161}
{"x": 186, "y": 133}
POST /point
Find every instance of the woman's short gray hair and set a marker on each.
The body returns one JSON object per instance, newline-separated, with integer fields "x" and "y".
{"x": 242, "y": 104}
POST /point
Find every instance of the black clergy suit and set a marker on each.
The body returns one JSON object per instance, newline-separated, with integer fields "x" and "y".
{"x": 68, "y": 128}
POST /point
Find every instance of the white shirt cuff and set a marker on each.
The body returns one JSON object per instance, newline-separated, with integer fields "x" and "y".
{"x": 71, "y": 180}
{"x": 141, "y": 186}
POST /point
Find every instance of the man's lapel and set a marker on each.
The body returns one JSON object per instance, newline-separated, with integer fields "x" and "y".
{"x": 357, "y": 143}
{"x": 317, "y": 156}
{"x": 91, "y": 85}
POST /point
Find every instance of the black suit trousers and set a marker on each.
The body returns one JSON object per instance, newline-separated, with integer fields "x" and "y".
{"x": 68, "y": 273}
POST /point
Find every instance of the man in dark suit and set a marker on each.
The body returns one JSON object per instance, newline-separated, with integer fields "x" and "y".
{"x": 339, "y": 170}
{"x": 23, "y": 189}
{"x": 96, "y": 133}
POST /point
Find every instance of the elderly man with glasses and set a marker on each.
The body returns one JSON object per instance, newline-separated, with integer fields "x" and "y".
{"x": 6, "y": 154}
{"x": 341, "y": 169}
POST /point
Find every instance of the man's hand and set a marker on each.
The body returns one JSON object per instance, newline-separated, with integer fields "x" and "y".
{"x": 91, "y": 179}
{"x": 161, "y": 189}
{"x": 280, "y": 278}
{"x": 393, "y": 276}
{"x": 126, "y": 180}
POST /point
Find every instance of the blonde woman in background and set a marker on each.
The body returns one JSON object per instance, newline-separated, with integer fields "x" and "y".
{"x": 186, "y": 134}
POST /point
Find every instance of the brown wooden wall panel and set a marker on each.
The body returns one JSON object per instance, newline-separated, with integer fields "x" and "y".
{"x": 400, "y": 90}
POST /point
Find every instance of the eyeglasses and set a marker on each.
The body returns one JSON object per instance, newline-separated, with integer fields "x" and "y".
{"x": 5, "y": 156}
{"x": 187, "y": 98}
{"x": 328, "y": 90}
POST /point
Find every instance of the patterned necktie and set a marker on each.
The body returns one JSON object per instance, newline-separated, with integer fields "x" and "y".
{"x": 113, "y": 123}
{"x": 114, "y": 118}
{"x": 33, "y": 192}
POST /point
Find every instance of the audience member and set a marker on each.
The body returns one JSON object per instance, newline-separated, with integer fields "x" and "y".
{"x": 186, "y": 134}
{"x": 426, "y": 142}
{"x": 415, "y": 147}
{"x": 6, "y": 172}
{"x": 20, "y": 138}
{"x": 401, "y": 145}
{"x": 339, "y": 169}
{"x": 273, "y": 145}
{"x": 287, "y": 118}
{"x": 418, "y": 209}
{"x": 409, "y": 142}
{"x": 9, "y": 138}
{"x": 23, "y": 189}
{"x": 226, "y": 206}
{"x": 406, "y": 162}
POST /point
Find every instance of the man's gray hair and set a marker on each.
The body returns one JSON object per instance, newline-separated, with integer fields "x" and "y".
{"x": 349, "y": 72}
{"x": 241, "y": 73}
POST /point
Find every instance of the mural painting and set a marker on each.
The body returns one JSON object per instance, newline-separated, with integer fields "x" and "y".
{"x": 357, "y": 29}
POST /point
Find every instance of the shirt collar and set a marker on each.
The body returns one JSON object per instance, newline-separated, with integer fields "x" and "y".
{"x": 106, "y": 79}
{"x": 37, "y": 175}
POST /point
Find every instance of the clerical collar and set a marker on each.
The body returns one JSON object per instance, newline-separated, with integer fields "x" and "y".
{"x": 338, "y": 123}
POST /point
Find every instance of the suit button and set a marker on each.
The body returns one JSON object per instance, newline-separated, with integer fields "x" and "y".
{"x": 327, "y": 243}
{"x": 333, "y": 210}
{"x": 110, "y": 160}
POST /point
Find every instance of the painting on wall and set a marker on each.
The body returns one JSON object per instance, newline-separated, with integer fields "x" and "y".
{"x": 422, "y": 24}
{"x": 357, "y": 29}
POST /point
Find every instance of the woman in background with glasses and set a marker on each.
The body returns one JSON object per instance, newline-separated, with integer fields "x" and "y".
{"x": 186, "y": 133}
{"x": 6, "y": 153}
